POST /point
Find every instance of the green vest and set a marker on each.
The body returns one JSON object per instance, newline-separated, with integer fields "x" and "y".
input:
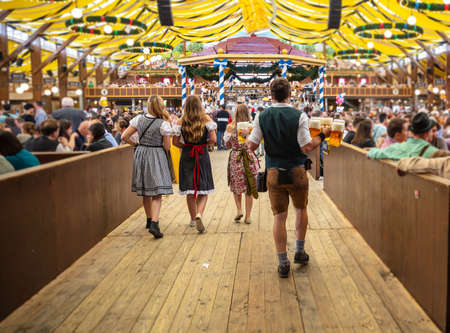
{"x": 279, "y": 126}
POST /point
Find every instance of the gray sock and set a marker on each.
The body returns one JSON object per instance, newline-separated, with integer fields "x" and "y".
{"x": 282, "y": 258}
{"x": 300, "y": 245}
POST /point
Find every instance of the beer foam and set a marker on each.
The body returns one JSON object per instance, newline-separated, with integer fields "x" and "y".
{"x": 335, "y": 126}
{"x": 314, "y": 123}
{"x": 326, "y": 121}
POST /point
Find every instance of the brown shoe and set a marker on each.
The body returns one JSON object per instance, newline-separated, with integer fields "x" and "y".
{"x": 247, "y": 221}
{"x": 199, "y": 224}
{"x": 238, "y": 217}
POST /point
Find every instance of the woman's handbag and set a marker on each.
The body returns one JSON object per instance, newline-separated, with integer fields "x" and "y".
{"x": 261, "y": 181}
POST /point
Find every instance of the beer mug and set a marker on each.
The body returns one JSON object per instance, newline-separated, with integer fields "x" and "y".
{"x": 244, "y": 125}
{"x": 337, "y": 132}
{"x": 314, "y": 126}
{"x": 325, "y": 122}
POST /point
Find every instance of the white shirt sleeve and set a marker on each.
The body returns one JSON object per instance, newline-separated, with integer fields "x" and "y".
{"x": 303, "y": 135}
{"x": 256, "y": 135}
{"x": 166, "y": 129}
{"x": 62, "y": 148}
{"x": 211, "y": 126}
{"x": 227, "y": 136}
{"x": 176, "y": 130}
{"x": 135, "y": 121}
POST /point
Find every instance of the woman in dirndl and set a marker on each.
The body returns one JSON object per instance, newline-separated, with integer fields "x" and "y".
{"x": 193, "y": 132}
{"x": 242, "y": 165}
{"x": 151, "y": 172}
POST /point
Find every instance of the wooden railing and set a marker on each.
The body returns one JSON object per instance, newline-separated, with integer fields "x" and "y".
{"x": 361, "y": 92}
{"x": 175, "y": 92}
{"x": 404, "y": 219}
{"x": 52, "y": 214}
{"x": 137, "y": 92}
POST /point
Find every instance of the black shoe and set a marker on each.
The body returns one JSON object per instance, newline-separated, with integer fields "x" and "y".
{"x": 301, "y": 258}
{"x": 149, "y": 222}
{"x": 154, "y": 230}
{"x": 283, "y": 270}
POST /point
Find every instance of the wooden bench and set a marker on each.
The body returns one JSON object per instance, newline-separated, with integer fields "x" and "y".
{"x": 47, "y": 157}
{"x": 52, "y": 214}
{"x": 404, "y": 219}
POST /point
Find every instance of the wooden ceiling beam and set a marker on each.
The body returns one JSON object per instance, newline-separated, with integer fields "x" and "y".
{"x": 4, "y": 13}
{"x": 25, "y": 44}
{"x": 54, "y": 55}
{"x": 80, "y": 59}
{"x": 431, "y": 54}
{"x": 400, "y": 67}
{"x": 412, "y": 58}
{"x": 100, "y": 62}
{"x": 116, "y": 66}
{"x": 444, "y": 37}
{"x": 395, "y": 76}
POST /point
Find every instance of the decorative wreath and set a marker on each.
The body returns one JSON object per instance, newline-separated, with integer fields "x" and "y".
{"x": 153, "y": 46}
{"x": 434, "y": 7}
{"x": 358, "y": 54}
{"x": 131, "y": 27}
{"x": 407, "y": 31}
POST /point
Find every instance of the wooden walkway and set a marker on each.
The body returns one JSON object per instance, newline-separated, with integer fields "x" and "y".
{"x": 225, "y": 279}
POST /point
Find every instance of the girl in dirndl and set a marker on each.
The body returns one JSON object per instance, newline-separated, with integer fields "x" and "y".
{"x": 242, "y": 165}
{"x": 151, "y": 171}
{"x": 193, "y": 132}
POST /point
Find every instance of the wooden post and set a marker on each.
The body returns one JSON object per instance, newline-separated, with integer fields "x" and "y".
{"x": 447, "y": 78}
{"x": 4, "y": 71}
{"x": 99, "y": 75}
{"x": 414, "y": 69}
{"x": 430, "y": 80}
{"x": 36, "y": 63}
{"x": 62, "y": 77}
{"x": 82, "y": 73}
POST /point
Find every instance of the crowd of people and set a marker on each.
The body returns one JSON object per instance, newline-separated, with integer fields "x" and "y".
{"x": 279, "y": 132}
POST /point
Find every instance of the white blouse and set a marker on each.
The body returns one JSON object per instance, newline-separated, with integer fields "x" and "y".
{"x": 165, "y": 129}
{"x": 210, "y": 126}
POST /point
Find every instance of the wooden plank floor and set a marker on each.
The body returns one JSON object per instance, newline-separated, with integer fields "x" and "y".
{"x": 225, "y": 279}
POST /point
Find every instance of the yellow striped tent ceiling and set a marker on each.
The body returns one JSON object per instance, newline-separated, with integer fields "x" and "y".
{"x": 302, "y": 22}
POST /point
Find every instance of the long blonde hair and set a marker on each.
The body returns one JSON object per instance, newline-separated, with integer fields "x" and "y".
{"x": 193, "y": 120}
{"x": 241, "y": 115}
{"x": 155, "y": 106}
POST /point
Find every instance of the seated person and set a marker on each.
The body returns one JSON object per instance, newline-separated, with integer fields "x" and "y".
{"x": 108, "y": 136}
{"x": 436, "y": 140}
{"x": 48, "y": 141}
{"x": 13, "y": 151}
{"x": 436, "y": 166}
{"x": 397, "y": 132}
{"x": 363, "y": 137}
{"x": 351, "y": 132}
{"x": 5, "y": 166}
{"x": 96, "y": 138}
{"x": 418, "y": 145}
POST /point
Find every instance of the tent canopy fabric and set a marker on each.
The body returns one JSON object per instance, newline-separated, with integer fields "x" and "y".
{"x": 299, "y": 21}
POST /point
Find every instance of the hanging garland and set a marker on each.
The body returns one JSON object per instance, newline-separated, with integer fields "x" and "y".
{"x": 252, "y": 68}
{"x": 152, "y": 46}
{"x": 413, "y": 31}
{"x": 434, "y": 7}
{"x": 357, "y": 54}
{"x": 132, "y": 27}
{"x": 298, "y": 73}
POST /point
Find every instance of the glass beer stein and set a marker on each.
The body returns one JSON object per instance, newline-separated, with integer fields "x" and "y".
{"x": 243, "y": 126}
{"x": 337, "y": 132}
{"x": 314, "y": 126}
{"x": 325, "y": 122}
